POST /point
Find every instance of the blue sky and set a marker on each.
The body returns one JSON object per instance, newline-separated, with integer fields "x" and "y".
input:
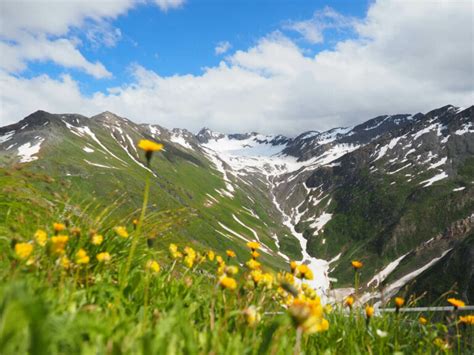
{"x": 283, "y": 66}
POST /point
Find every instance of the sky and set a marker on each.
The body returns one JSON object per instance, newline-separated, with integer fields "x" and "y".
{"x": 272, "y": 66}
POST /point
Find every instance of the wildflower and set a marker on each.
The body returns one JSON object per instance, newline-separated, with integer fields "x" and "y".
{"x": 308, "y": 316}
{"x": 293, "y": 266}
{"x": 253, "y": 246}
{"x": 381, "y": 333}
{"x": 231, "y": 270}
{"x": 230, "y": 253}
{"x": 103, "y": 257}
{"x": 304, "y": 272}
{"x": 189, "y": 257}
{"x": 440, "y": 343}
{"x": 357, "y": 264}
{"x": 153, "y": 265}
{"x": 369, "y": 311}
{"x": 82, "y": 257}
{"x": 135, "y": 223}
{"x": 255, "y": 254}
{"x": 253, "y": 264}
{"x": 41, "y": 237}
{"x": 251, "y": 316}
{"x": 349, "y": 301}
{"x": 121, "y": 231}
{"x": 65, "y": 262}
{"x": 456, "y": 303}
{"x": 58, "y": 244}
{"x": 399, "y": 302}
{"x": 76, "y": 231}
{"x": 221, "y": 269}
{"x": 267, "y": 280}
{"x": 219, "y": 260}
{"x": 23, "y": 250}
{"x": 149, "y": 147}
{"x": 256, "y": 276}
{"x": 469, "y": 319}
{"x": 422, "y": 320}
{"x": 97, "y": 239}
{"x": 211, "y": 255}
{"x": 228, "y": 283}
{"x": 175, "y": 253}
{"x": 58, "y": 227}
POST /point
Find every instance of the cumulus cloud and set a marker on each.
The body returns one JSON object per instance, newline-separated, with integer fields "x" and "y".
{"x": 222, "y": 47}
{"x": 415, "y": 61}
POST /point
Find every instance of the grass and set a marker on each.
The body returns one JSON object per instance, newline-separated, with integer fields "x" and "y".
{"x": 188, "y": 305}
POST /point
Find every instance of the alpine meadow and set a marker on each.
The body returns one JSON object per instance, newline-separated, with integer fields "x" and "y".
{"x": 349, "y": 231}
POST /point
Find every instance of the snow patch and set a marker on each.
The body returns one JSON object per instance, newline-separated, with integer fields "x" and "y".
{"x": 27, "y": 151}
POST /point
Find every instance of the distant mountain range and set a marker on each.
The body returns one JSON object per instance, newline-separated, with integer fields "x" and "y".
{"x": 395, "y": 191}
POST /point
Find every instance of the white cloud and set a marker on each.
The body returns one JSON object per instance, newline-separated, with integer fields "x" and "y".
{"x": 222, "y": 47}
{"x": 165, "y": 5}
{"x": 415, "y": 61}
{"x": 313, "y": 29}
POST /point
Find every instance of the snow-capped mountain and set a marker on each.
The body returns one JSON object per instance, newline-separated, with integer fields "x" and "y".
{"x": 390, "y": 191}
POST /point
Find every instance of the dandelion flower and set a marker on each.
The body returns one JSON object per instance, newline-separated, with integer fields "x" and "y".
{"x": 293, "y": 266}
{"x": 308, "y": 315}
{"x": 304, "y": 272}
{"x": 456, "y": 303}
{"x": 231, "y": 270}
{"x": 253, "y": 264}
{"x": 228, "y": 283}
{"x": 230, "y": 253}
{"x": 219, "y": 260}
{"x": 253, "y": 245}
{"x": 149, "y": 147}
{"x": 255, "y": 254}
{"x": 58, "y": 244}
{"x": 82, "y": 257}
{"x": 349, "y": 301}
{"x": 65, "y": 262}
{"x": 369, "y": 311}
{"x": 422, "y": 320}
{"x": 175, "y": 253}
{"x": 357, "y": 264}
{"x": 103, "y": 257}
{"x": 469, "y": 319}
{"x": 23, "y": 250}
{"x": 41, "y": 237}
{"x": 97, "y": 239}
{"x": 153, "y": 266}
{"x": 58, "y": 227}
{"x": 121, "y": 231}
{"x": 211, "y": 255}
{"x": 251, "y": 316}
{"x": 399, "y": 302}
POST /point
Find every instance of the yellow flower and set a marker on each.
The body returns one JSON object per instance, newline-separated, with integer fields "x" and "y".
{"x": 211, "y": 255}
{"x": 65, "y": 262}
{"x": 255, "y": 254}
{"x": 349, "y": 301}
{"x": 230, "y": 253}
{"x": 175, "y": 254}
{"x": 422, "y": 320}
{"x": 23, "y": 250}
{"x": 231, "y": 270}
{"x": 293, "y": 266}
{"x": 103, "y": 257}
{"x": 149, "y": 146}
{"x": 304, "y": 272}
{"x": 153, "y": 266}
{"x": 58, "y": 227}
{"x": 369, "y": 311}
{"x": 121, "y": 231}
{"x": 228, "y": 283}
{"x": 440, "y": 343}
{"x": 135, "y": 223}
{"x": 58, "y": 244}
{"x": 256, "y": 276}
{"x": 82, "y": 257}
{"x": 253, "y": 264}
{"x": 189, "y": 256}
{"x": 97, "y": 239}
{"x": 253, "y": 245}
{"x": 251, "y": 316}
{"x": 41, "y": 237}
{"x": 357, "y": 264}
{"x": 399, "y": 302}
{"x": 267, "y": 280}
{"x": 219, "y": 260}
{"x": 308, "y": 315}
{"x": 456, "y": 303}
{"x": 469, "y": 319}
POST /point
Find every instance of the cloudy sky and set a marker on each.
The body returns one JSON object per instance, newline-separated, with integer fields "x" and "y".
{"x": 274, "y": 66}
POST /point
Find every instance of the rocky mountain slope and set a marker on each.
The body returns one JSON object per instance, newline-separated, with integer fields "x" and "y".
{"x": 389, "y": 192}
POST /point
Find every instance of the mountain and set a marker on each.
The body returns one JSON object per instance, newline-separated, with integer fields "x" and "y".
{"x": 395, "y": 191}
